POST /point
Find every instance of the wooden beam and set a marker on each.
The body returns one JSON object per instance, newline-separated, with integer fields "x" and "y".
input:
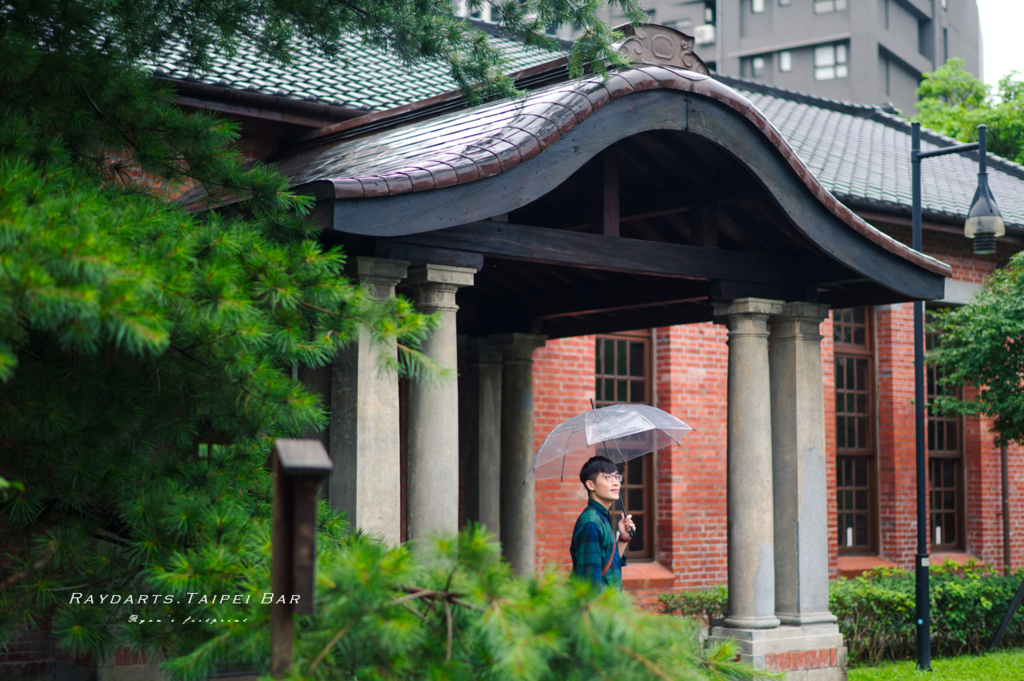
{"x": 592, "y": 251}
{"x": 633, "y": 295}
{"x": 422, "y": 255}
{"x": 604, "y": 182}
{"x": 648, "y": 318}
{"x": 705, "y": 226}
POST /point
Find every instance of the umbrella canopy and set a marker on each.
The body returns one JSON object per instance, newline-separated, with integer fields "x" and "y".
{"x": 620, "y": 432}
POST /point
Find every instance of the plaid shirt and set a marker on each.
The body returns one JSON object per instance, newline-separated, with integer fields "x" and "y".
{"x": 593, "y": 540}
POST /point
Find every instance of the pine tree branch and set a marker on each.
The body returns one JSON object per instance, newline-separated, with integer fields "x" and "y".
{"x": 451, "y": 633}
{"x": 327, "y": 648}
{"x": 651, "y": 667}
{"x": 36, "y": 564}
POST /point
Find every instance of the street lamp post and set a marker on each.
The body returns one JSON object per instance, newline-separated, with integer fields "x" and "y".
{"x": 983, "y": 225}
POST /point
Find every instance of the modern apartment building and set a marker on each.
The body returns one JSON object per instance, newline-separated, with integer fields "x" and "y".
{"x": 863, "y": 51}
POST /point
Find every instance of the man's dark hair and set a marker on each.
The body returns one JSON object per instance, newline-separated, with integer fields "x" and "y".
{"x": 595, "y": 465}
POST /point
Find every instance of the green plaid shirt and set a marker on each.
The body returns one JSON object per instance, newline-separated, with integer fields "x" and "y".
{"x": 592, "y": 542}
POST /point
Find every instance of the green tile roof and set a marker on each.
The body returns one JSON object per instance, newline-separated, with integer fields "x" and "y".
{"x": 862, "y": 155}
{"x": 364, "y": 78}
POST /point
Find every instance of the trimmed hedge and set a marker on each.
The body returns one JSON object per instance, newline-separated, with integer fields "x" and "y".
{"x": 876, "y": 612}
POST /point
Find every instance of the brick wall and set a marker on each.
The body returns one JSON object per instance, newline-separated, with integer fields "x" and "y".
{"x": 29, "y": 655}
{"x": 563, "y": 385}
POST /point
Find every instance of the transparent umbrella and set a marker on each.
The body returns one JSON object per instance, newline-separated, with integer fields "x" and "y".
{"x": 620, "y": 432}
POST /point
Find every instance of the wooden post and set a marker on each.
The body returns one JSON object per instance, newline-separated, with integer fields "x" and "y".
{"x": 605, "y": 180}
{"x": 298, "y": 466}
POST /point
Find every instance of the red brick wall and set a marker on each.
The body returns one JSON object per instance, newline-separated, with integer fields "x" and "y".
{"x": 29, "y": 656}
{"x": 563, "y": 385}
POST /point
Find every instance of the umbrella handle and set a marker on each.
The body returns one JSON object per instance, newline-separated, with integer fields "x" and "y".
{"x": 632, "y": 533}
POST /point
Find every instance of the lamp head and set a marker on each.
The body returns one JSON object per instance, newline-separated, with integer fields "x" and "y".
{"x": 984, "y": 223}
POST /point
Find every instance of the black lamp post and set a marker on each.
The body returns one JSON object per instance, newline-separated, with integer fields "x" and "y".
{"x": 983, "y": 225}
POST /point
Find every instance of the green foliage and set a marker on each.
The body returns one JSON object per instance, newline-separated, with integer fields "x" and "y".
{"x": 983, "y": 349}
{"x": 876, "y": 612}
{"x": 699, "y": 604}
{"x": 952, "y": 101}
{"x": 1003, "y": 665}
{"x": 146, "y": 356}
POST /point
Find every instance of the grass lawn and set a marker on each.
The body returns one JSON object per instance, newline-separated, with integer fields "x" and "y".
{"x": 1004, "y": 665}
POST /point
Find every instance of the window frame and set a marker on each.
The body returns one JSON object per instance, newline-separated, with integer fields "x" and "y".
{"x": 830, "y": 6}
{"x": 836, "y": 64}
{"x": 756, "y": 72}
{"x": 649, "y": 493}
{"x": 785, "y": 61}
{"x": 869, "y": 453}
{"x": 955, "y": 454}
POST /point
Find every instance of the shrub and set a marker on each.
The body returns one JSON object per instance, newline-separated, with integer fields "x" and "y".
{"x": 876, "y": 612}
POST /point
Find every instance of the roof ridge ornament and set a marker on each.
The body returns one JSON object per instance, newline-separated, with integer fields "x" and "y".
{"x": 656, "y": 44}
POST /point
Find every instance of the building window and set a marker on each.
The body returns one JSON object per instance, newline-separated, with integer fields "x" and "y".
{"x": 757, "y": 67}
{"x": 784, "y": 3}
{"x": 785, "y": 61}
{"x": 709, "y": 12}
{"x": 621, "y": 375}
{"x": 756, "y": 6}
{"x": 830, "y": 62}
{"x": 855, "y": 448}
{"x": 945, "y": 463}
{"x": 825, "y": 6}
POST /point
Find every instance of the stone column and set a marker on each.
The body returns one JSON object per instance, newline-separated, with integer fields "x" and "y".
{"x": 433, "y": 447}
{"x": 518, "y": 528}
{"x": 482, "y": 382}
{"x": 798, "y": 466}
{"x": 751, "y": 560}
{"x": 363, "y": 437}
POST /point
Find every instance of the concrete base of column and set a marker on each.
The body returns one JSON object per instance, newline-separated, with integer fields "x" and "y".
{"x": 806, "y": 653}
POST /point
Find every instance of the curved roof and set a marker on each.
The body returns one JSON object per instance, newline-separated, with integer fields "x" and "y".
{"x": 469, "y": 146}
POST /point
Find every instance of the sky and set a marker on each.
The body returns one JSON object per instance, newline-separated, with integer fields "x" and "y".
{"x": 1001, "y": 24}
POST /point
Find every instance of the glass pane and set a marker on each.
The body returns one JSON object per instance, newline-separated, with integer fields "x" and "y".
{"x": 597, "y": 357}
{"x": 931, "y": 436}
{"x": 949, "y": 500}
{"x": 609, "y": 390}
{"x": 859, "y": 313}
{"x": 950, "y": 475}
{"x": 841, "y": 432}
{"x": 862, "y": 433}
{"x": 861, "y": 530}
{"x": 839, "y": 373}
{"x": 862, "y": 374}
{"x": 840, "y": 5}
{"x": 861, "y": 475}
{"x": 597, "y": 390}
{"x": 638, "y": 392}
{"x": 785, "y": 61}
{"x": 825, "y": 56}
{"x": 953, "y": 435}
{"x": 851, "y": 406}
{"x": 850, "y": 383}
{"x": 637, "y": 544}
{"x": 609, "y": 357}
{"x": 828, "y": 73}
{"x": 861, "y": 500}
{"x": 635, "y": 500}
{"x": 841, "y": 71}
{"x": 635, "y": 471}
{"x": 636, "y": 359}
{"x": 848, "y": 312}
{"x": 949, "y": 529}
{"x": 848, "y": 500}
{"x": 862, "y": 404}
{"x": 841, "y": 59}
{"x": 859, "y": 337}
{"x": 847, "y": 338}
{"x": 837, "y": 330}
{"x": 621, "y": 368}
{"x": 851, "y": 434}
{"x": 623, "y": 388}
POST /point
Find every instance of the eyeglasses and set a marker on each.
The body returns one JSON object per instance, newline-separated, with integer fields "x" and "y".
{"x": 612, "y": 477}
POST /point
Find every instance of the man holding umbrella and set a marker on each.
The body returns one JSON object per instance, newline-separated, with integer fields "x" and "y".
{"x": 598, "y": 553}
{"x": 622, "y": 431}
